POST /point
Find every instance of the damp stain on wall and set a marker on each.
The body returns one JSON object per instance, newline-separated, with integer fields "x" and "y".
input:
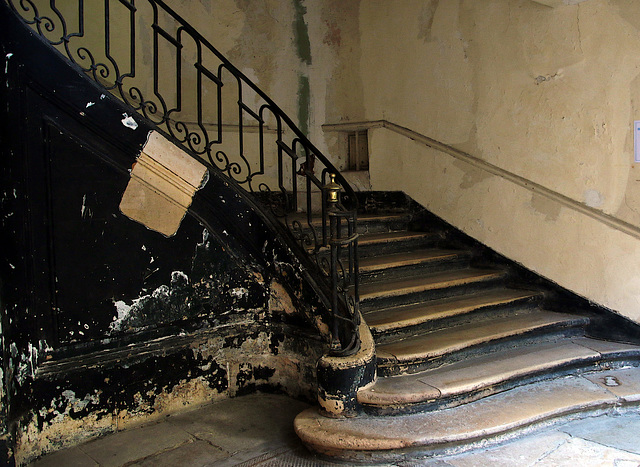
{"x": 301, "y": 32}
{"x": 303, "y": 50}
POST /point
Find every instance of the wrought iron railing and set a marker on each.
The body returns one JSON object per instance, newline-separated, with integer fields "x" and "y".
{"x": 159, "y": 65}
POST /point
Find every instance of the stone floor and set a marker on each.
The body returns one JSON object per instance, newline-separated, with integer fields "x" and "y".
{"x": 257, "y": 430}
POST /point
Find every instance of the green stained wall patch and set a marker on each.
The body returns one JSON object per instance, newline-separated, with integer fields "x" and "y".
{"x": 303, "y": 45}
{"x": 304, "y": 102}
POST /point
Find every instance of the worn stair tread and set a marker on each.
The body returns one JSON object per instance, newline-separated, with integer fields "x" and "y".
{"x": 492, "y": 418}
{"x": 390, "y": 319}
{"x": 391, "y": 237}
{"x": 437, "y": 343}
{"x": 489, "y": 371}
{"x": 427, "y": 282}
{"x": 412, "y": 258}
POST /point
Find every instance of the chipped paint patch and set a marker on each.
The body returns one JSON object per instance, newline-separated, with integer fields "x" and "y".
{"x": 280, "y": 300}
{"x": 129, "y": 315}
{"x": 219, "y": 367}
{"x": 32, "y": 442}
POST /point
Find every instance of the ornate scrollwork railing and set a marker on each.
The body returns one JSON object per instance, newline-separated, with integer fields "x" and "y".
{"x": 159, "y": 65}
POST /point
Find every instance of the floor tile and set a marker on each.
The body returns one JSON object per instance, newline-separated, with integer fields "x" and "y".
{"x": 616, "y": 431}
{"x": 137, "y": 443}
{"x": 258, "y": 428}
{"x": 262, "y": 421}
{"x": 193, "y": 454}
{"x": 624, "y": 383}
{"x": 521, "y": 452}
{"x": 73, "y": 457}
{"x": 577, "y": 451}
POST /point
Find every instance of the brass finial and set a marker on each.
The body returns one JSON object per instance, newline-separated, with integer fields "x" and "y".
{"x": 333, "y": 190}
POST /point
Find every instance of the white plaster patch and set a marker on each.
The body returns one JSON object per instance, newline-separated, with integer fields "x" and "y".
{"x": 239, "y": 292}
{"x": 44, "y": 347}
{"x": 84, "y": 210}
{"x": 124, "y": 311}
{"x": 129, "y": 122}
{"x": 6, "y": 65}
{"x": 205, "y": 239}
{"x": 593, "y": 198}
{"x": 161, "y": 293}
{"x": 179, "y": 275}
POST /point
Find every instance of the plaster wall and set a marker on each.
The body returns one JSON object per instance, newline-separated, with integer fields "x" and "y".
{"x": 302, "y": 54}
{"x": 548, "y": 93}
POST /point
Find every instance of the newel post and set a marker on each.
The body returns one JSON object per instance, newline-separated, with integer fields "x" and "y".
{"x": 332, "y": 191}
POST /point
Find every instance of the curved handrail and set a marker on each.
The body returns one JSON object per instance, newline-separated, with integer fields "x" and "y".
{"x": 293, "y": 153}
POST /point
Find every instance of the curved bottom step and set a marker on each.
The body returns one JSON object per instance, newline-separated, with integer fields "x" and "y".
{"x": 493, "y": 419}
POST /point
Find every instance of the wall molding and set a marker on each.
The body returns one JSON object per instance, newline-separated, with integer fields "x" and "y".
{"x": 596, "y": 214}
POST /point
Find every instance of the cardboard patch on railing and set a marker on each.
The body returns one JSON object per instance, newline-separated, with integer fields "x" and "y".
{"x": 163, "y": 182}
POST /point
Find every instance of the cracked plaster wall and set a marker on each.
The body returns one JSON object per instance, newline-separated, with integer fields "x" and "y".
{"x": 547, "y": 93}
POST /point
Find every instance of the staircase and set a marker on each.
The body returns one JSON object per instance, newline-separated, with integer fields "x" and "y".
{"x": 466, "y": 350}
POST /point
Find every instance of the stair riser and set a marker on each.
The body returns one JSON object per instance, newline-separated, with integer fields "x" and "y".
{"x": 432, "y": 266}
{"x": 384, "y": 248}
{"x": 364, "y": 226}
{"x": 387, "y": 367}
{"x": 574, "y": 368}
{"x": 476, "y": 315}
{"x": 367, "y": 304}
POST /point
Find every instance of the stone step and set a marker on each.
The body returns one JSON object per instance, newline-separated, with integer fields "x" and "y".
{"x": 429, "y": 286}
{"x": 490, "y": 420}
{"x": 435, "y": 314}
{"x": 367, "y": 223}
{"x": 478, "y": 377}
{"x": 393, "y": 242}
{"x": 448, "y": 345}
{"x": 405, "y": 264}
{"x": 379, "y": 223}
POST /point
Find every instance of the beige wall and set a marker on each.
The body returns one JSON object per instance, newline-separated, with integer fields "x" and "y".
{"x": 260, "y": 39}
{"x": 547, "y": 90}
{"x": 547, "y": 93}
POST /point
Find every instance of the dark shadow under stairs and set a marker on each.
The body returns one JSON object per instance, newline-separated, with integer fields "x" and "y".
{"x": 467, "y": 351}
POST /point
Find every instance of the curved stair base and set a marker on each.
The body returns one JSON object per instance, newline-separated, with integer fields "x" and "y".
{"x": 489, "y": 420}
{"x": 340, "y": 378}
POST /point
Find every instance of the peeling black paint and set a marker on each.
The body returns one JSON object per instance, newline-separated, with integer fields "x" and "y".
{"x": 274, "y": 342}
{"x": 186, "y": 302}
